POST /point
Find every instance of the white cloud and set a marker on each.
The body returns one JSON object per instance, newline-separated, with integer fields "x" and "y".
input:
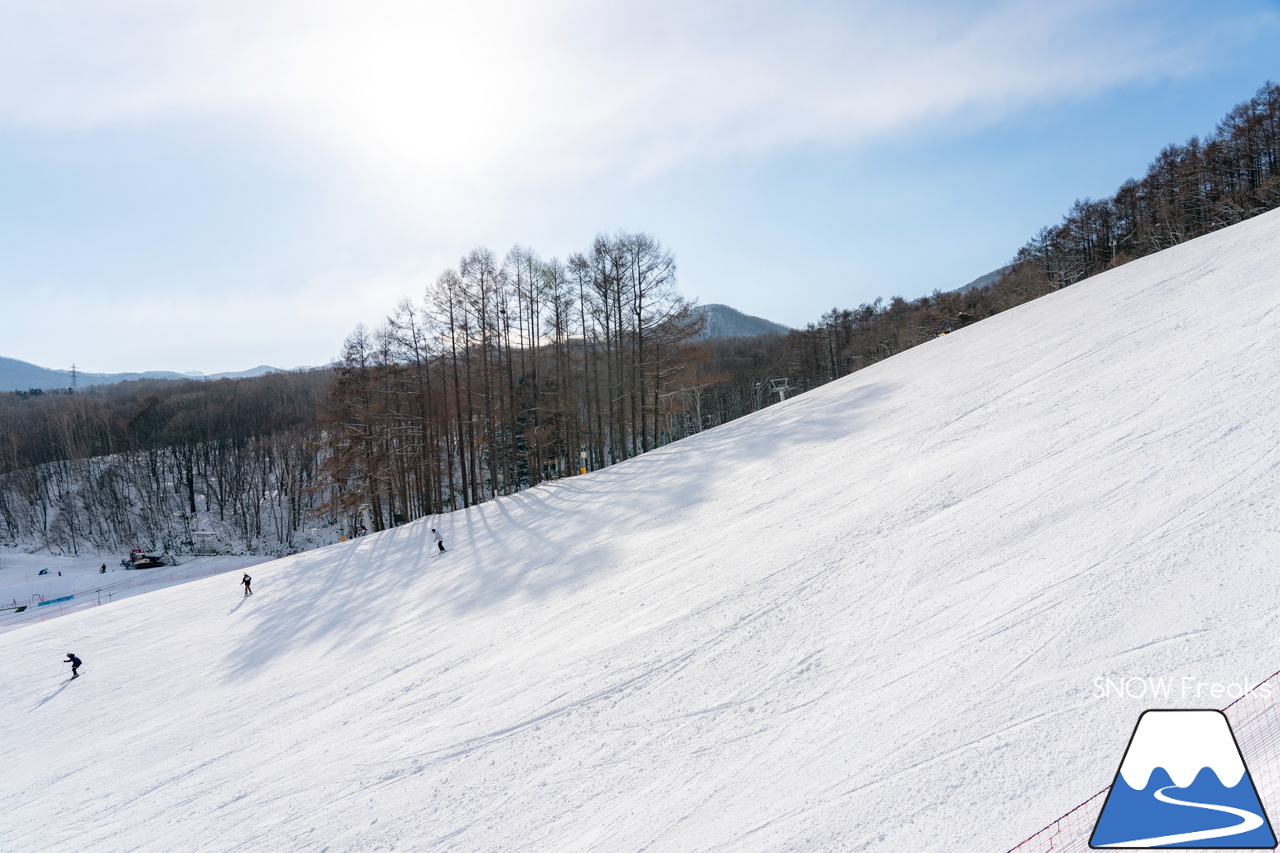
{"x": 442, "y": 96}
{"x": 192, "y": 328}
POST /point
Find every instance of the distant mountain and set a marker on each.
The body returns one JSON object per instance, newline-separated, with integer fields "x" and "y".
{"x": 18, "y": 375}
{"x": 260, "y": 370}
{"x": 726, "y": 322}
{"x": 981, "y": 281}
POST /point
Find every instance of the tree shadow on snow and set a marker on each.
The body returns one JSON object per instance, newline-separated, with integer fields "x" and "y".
{"x": 536, "y": 543}
{"x": 551, "y": 534}
{"x": 327, "y": 596}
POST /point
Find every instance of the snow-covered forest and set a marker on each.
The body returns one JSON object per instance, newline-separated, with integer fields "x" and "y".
{"x": 146, "y": 464}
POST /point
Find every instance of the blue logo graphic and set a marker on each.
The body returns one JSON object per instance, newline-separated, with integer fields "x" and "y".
{"x": 1183, "y": 784}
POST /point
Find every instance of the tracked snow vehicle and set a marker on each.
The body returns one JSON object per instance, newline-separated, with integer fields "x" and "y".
{"x": 138, "y": 560}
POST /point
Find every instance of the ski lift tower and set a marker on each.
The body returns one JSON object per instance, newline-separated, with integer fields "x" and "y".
{"x": 780, "y": 387}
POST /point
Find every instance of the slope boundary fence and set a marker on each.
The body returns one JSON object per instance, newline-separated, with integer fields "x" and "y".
{"x": 1255, "y": 719}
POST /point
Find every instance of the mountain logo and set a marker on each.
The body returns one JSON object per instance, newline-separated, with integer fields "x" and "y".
{"x": 1183, "y": 784}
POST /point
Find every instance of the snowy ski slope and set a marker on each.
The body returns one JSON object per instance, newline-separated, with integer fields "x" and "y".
{"x": 869, "y": 618}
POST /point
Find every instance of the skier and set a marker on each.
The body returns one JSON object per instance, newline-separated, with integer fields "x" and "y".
{"x": 103, "y": 570}
{"x": 439, "y": 538}
{"x": 75, "y": 664}
{"x": 247, "y": 580}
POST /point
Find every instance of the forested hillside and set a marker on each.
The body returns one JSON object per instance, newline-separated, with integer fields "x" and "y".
{"x": 146, "y": 463}
{"x": 1189, "y": 190}
{"x": 724, "y": 321}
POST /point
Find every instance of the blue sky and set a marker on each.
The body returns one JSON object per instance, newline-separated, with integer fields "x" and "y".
{"x": 209, "y": 186}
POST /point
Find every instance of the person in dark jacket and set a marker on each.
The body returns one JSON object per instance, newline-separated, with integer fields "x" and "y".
{"x": 75, "y": 664}
{"x": 247, "y": 580}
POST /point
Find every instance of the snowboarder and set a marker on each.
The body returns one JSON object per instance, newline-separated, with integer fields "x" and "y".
{"x": 439, "y": 538}
{"x": 247, "y": 580}
{"x": 75, "y": 664}
{"x": 103, "y": 570}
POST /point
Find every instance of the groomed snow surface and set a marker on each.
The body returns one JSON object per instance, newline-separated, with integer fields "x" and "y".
{"x": 869, "y": 618}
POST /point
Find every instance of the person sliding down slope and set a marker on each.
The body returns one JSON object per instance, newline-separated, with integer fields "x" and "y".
{"x": 439, "y": 538}
{"x": 246, "y": 581}
{"x": 75, "y": 664}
